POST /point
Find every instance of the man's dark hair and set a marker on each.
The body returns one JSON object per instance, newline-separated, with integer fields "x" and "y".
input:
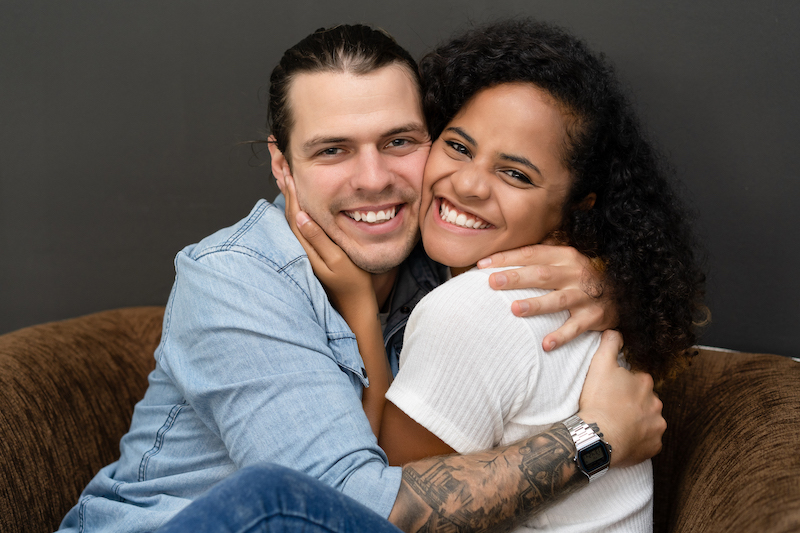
{"x": 637, "y": 225}
{"x": 357, "y": 48}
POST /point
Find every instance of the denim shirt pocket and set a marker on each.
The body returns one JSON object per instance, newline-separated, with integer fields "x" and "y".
{"x": 344, "y": 350}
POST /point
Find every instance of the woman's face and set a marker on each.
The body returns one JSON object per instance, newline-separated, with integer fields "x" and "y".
{"x": 495, "y": 178}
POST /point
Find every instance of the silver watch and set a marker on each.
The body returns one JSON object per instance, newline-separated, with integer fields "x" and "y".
{"x": 592, "y": 454}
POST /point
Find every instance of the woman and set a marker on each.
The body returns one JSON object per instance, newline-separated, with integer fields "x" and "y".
{"x": 534, "y": 142}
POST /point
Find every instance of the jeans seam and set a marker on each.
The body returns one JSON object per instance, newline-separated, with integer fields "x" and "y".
{"x": 81, "y": 513}
{"x": 159, "y": 442}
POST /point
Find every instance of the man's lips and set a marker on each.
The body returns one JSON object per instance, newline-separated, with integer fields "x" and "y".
{"x": 464, "y": 219}
{"x": 373, "y": 216}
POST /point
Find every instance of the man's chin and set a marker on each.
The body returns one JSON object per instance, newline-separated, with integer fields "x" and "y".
{"x": 383, "y": 259}
{"x": 381, "y": 266}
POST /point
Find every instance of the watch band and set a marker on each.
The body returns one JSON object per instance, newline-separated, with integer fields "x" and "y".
{"x": 592, "y": 454}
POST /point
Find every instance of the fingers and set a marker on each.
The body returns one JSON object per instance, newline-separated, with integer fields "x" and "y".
{"x": 315, "y": 241}
{"x": 552, "y": 302}
{"x": 623, "y": 404}
{"x": 569, "y": 331}
{"x": 539, "y": 276}
{"x": 537, "y": 254}
{"x": 606, "y": 356}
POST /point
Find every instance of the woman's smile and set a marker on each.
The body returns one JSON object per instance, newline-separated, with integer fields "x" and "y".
{"x": 450, "y": 214}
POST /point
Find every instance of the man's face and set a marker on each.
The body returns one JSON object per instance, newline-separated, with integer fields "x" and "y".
{"x": 357, "y": 150}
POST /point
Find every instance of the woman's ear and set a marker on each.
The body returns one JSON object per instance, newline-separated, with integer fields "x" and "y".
{"x": 278, "y": 162}
{"x": 588, "y": 202}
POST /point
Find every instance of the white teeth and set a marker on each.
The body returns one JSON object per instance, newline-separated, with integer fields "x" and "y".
{"x": 451, "y": 216}
{"x": 372, "y": 216}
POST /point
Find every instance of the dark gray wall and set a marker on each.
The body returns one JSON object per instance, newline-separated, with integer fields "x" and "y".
{"x": 120, "y": 124}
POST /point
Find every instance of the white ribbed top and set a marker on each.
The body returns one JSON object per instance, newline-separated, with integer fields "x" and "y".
{"x": 476, "y": 376}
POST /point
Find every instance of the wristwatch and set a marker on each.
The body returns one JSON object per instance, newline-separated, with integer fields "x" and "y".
{"x": 592, "y": 454}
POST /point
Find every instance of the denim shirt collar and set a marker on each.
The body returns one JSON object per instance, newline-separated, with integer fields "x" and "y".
{"x": 418, "y": 275}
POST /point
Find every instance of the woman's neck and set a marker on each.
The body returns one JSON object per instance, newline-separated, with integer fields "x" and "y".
{"x": 455, "y": 271}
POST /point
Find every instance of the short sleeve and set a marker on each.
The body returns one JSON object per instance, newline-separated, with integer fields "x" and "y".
{"x": 468, "y": 364}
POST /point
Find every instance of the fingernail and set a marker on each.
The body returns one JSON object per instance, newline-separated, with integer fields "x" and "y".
{"x": 301, "y": 218}
{"x": 500, "y": 279}
{"x": 483, "y": 263}
{"x": 551, "y": 346}
{"x": 523, "y": 307}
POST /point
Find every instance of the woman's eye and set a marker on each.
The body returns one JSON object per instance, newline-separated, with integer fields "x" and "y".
{"x": 458, "y": 147}
{"x": 519, "y": 176}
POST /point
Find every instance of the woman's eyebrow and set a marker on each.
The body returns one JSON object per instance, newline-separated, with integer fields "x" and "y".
{"x": 463, "y": 133}
{"x": 522, "y": 161}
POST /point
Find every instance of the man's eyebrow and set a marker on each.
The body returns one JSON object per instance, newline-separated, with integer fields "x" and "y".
{"x": 405, "y": 128}
{"x": 323, "y": 140}
{"x": 522, "y": 161}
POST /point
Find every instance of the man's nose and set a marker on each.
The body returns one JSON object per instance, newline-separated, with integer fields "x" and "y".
{"x": 471, "y": 182}
{"x": 372, "y": 173}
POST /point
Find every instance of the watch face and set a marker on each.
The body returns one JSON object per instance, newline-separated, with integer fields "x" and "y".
{"x": 593, "y": 457}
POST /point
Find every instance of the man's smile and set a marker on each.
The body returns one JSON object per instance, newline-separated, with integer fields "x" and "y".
{"x": 373, "y": 216}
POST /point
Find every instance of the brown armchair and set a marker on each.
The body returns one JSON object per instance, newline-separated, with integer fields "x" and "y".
{"x": 67, "y": 390}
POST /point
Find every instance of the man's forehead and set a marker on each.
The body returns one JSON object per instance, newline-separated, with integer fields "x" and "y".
{"x": 338, "y": 106}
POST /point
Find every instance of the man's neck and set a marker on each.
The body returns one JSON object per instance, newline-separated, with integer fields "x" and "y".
{"x": 383, "y": 283}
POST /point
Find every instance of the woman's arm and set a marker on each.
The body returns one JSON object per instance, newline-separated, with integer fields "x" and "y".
{"x": 404, "y": 440}
{"x": 351, "y": 292}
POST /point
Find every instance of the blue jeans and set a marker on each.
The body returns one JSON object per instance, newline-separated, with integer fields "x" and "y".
{"x": 274, "y": 498}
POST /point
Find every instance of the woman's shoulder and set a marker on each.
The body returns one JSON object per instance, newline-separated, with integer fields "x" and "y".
{"x": 474, "y": 283}
{"x": 468, "y": 300}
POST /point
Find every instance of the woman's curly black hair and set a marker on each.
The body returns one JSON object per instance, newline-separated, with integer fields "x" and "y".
{"x": 637, "y": 225}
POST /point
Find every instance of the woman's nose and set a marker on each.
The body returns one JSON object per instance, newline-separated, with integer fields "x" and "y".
{"x": 471, "y": 182}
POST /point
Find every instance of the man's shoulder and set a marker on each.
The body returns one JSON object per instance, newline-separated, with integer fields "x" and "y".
{"x": 262, "y": 235}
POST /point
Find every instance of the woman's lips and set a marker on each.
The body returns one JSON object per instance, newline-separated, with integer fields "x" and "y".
{"x": 450, "y": 214}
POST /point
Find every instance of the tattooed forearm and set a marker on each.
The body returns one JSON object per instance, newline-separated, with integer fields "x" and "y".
{"x": 490, "y": 491}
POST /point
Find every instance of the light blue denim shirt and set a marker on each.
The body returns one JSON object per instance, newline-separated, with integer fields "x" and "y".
{"x": 254, "y": 366}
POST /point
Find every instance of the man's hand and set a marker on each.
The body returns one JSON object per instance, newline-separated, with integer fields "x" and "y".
{"x": 623, "y": 405}
{"x": 577, "y": 286}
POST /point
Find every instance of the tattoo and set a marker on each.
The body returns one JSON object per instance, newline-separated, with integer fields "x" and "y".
{"x": 479, "y": 492}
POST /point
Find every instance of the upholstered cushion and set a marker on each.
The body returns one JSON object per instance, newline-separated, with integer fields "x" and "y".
{"x": 67, "y": 391}
{"x": 731, "y": 457}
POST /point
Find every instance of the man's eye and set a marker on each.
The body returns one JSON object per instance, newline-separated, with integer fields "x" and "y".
{"x": 458, "y": 147}
{"x": 396, "y": 143}
{"x": 330, "y": 151}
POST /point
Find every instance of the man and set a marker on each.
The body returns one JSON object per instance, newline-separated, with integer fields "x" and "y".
{"x": 254, "y": 364}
